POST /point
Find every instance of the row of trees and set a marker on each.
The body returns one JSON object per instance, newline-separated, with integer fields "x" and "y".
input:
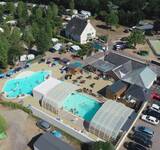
{"x": 35, "y": 26}
{"x": 129, "y": 12}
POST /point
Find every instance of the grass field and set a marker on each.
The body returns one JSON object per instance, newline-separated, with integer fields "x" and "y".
{"x": 155, "y": 45}
{"x": 3, "y": 126}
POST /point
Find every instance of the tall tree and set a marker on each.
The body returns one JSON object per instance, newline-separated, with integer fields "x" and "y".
{"x": 38, "y": 14}
{"x": 20, "y": 8}
{"x": 4, "y": 45}
{"x": 54, "y": 10}
{"x": 136, "y": 37}
{"x": 71, "y": 5}
{"x": 112, "y": 19}
{"x": 43, "y": 41}
{"x": 156, "y": 26}
{"x": 28, "y": 37}
{"x": 10, "y": 8}
{"x": 98, "y": 146}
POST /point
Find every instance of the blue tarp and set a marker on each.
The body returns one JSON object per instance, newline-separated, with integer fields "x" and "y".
{"x": 2, "y": 75}
{"x": 57, "y": 134}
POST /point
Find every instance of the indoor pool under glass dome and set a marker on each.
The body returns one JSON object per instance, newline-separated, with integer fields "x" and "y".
{"x": 24, "y": 85}
{"x": 81, "y": 105}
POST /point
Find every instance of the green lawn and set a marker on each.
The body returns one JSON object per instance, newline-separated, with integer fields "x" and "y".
{"x": 3, "y": 135}
{"x": 156, "y": 45}
{"x": 3, "y": 127}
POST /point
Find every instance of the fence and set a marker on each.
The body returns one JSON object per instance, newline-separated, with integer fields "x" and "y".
{"x": 59, "y": 124}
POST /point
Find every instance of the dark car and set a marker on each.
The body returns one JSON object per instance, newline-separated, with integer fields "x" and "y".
{"x": 120, "y": 45}
{"x": 143, "y": 141}
{"x": 126, "y": 31}
{"x": 41, "y": 60}
{"x": 139, "y": 134}
{"x": 145, "y": 130}
{"x": 134, "y": 146}
{"x": 152, "y": 113}
{"x": 44, "y": 125}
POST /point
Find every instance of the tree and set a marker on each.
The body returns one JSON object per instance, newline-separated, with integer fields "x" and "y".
{"x": 49, "y": 13}
{"x": 54, "y": 10}
{"x": 15, "y": 48}
{"x": 10, "y": 8}
{"x": 28, "y": 36}
{"x": 112, "y": 19}
{"x": 43, "y": 41}
{"x": 102, "y": 146}
{"x": 48, "y": 28}
{"x": 4, "y": 45}
{"x": 71, "y": 5}
{"x": 22, "y": 14}
{"x": 38, "y": 14}
{"x": 136, "y": 37}
{"x": 35, "y": 30}
{"x": 98, "y": 146}
{"x": 156, "y": 26}
{"x": 3, "y": 124}
{"x": 20, "y": 8}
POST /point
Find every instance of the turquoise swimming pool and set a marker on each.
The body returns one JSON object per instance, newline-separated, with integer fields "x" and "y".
{"x": 81, "y": 105}
{"x": 24, "y": 85}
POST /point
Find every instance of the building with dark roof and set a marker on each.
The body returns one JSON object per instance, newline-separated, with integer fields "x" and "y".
{"x": 80, "y": 29}
{"x": 115, "y": 90}
{"x": 47, "y": 141}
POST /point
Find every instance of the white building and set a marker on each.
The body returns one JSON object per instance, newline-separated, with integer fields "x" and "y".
{"x": 86, "y": 13}
{"x": 75, "y": 48}
{"x": 80, "y": 30}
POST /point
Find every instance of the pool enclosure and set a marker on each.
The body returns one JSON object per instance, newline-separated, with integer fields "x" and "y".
{"x": 40, "y": 91}
{"x": 52, "y": 92}
{"x": 110, "y": 120}
{"x": 54, "y": 99}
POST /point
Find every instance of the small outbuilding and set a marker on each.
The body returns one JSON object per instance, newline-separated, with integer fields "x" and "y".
{"x": 75, "y": 48}
{"x": 115, "y": 90}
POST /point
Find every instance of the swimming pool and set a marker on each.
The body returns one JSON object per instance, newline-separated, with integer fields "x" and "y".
{"x": 24, "y": 85}
{"x": 81, "y": 105}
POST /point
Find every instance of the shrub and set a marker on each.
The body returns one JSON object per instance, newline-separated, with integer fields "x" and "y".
{"x": 16, "y": 106}
{"x": 3, "y": 124}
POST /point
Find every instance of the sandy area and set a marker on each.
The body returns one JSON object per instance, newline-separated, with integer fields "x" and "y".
{"x": 102, "y": 30}
{"x": 21, "y": 129}
{"x": 24, "y": 74}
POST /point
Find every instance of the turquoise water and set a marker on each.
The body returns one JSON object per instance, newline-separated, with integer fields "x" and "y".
{"x": 25, "y": 85}
{"x": 97, "y": 46}
{"x": 81, "y": 105}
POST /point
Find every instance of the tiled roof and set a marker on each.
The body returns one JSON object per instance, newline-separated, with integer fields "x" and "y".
{"x": 76, "y": 26}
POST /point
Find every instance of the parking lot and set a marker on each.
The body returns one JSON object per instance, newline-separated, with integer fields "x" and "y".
{"x": 155, "y": 139}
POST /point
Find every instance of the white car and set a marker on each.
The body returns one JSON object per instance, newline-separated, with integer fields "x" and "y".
{"x": 150, "y": 119}
{"x": 155, "y": 107}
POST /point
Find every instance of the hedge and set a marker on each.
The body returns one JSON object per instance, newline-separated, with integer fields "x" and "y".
{"x": 3, "y": 125}
{"x": 15, "y": 106}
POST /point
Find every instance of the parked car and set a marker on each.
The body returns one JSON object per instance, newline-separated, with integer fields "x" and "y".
{"x": 153, "y": 113}
{"x": 144, "y": 130}
{"x": 126, "y": 31}
{"x": 143, "y": 141}
{"x": 155, "y": 96}
{"x": 44, "y": 125}
{"x": 155, "y": 107}
{"x": 141, "y": 135}
{"x": 134, "y": 146}
{"x": 120, "y": 45}
{"x": 150, "y": 119}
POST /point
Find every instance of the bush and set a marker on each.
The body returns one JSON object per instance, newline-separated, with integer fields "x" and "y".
{"x": 16, "y": 106}
{"x": 3, "y": 124}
